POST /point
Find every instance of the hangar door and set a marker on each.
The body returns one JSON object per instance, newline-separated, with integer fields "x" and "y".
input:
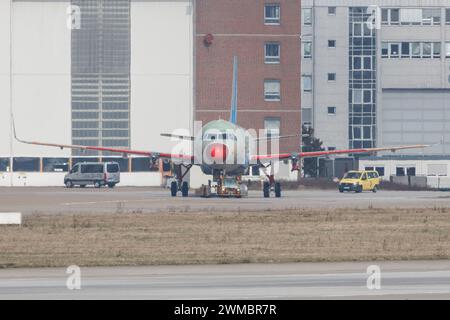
{"x": 416, "y": 117}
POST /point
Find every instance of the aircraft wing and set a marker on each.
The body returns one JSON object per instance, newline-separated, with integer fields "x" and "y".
{"x": 155, "y": 155}
{"x": 315, "y": 154}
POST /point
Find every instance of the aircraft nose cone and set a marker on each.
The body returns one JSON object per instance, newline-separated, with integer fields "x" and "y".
{"x": 218, "y": 152}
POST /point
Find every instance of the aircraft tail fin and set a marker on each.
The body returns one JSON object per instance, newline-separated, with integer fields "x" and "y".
{"x": 234, "y": 95}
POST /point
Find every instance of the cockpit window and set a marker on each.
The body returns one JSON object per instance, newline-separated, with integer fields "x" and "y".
{"x": 216, "y": 136}
{"x": 210, "y": 136}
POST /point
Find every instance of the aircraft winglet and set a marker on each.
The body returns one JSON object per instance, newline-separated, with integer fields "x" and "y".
{"x": 234, "y": 94}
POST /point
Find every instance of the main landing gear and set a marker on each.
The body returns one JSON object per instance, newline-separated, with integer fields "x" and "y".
{"x": 179, "y": 184}
{"x": 271, "y": 185}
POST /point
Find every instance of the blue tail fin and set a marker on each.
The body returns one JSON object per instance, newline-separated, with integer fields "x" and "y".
{"x": 234, "y": 95}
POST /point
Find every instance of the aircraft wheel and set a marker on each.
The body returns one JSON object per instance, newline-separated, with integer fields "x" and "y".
{"x": 185, "y": 189}
{"x": 266, "y": 190}
{"x": 278, "y": 190}
{"x": 174, "y": 188}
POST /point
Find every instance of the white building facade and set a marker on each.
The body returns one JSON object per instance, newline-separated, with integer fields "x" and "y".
{"x": 380, "y": 86}
{"x": 115, "y": 73}
{"x": 377, "y": 74}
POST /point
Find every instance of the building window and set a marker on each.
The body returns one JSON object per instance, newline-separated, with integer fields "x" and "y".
{"x": 395, "y": 16}
{"x": 416, "y": 50}
{"x": 367, "y": 96}
{"x": 272, "y": 53}
{"x": 307, "y": 16}
{"x": 362, "y": 79}
{"x": 447, "y": 49}
{"x": 307, "y": 115}
{"x": 362, "y": 63}
{"x": 116, "y": 143}
{"x": 357, "y": 96}
{"x": 437, "y": 46}
{"x": 394, "y": 50}
{"x": 411, "y": 16}
{"x": 384, "y": 50}
{"x": 272, "y": 14}
{"x": 331, "y": 111}
{"x": 447, "y": 16}
{"x": 26, "y": 164}
{"x": 272, "y": 90}
{"x": 380, "y": 171}
{"x": 272, "y": 127}
{"x": 331, "y": 43}
{"x": 307, "y": 83}
{"x": 385, "y": 16}
{"x": 431, "y": 17}
{"x": 142, "y": 165}
{"x": 100, "y": 60}
{"x": 4, "y": 165}
{"x": 424, "y": 50}
{"x": 307, "y": 49}
{"x": 332, "y": 11}
{"x": 406, "y": 49}
{"x": 55, "y": 164}
{"x": 405, "y": 171}
{"x": 123, "y": 162}
{"x": 332, "y": 77}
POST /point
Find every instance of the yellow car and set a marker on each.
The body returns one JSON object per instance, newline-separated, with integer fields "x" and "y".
{"x": 359, "y": 181}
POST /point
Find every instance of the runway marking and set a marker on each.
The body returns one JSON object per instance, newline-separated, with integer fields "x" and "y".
{"x": 108, "y": 201}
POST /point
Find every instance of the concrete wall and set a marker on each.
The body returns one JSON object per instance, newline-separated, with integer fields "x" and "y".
{"x": 161, "y": 72}
{"x": 423, "y": 74}
{"x": 423, "y": 167}
{"x": 331, "y": 129}
{"x": 417, "y": 117}
{"x": 161, "y": 79}
{"x": 56, "y": 179}
{"x": 5, "y": 79}
{"x": 41, "y": 96}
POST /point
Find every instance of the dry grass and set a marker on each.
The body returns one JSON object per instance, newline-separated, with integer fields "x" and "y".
{"x": 187, "y": 238}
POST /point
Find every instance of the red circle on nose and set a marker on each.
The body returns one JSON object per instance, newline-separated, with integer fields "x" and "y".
{"x": 219, "y": 151}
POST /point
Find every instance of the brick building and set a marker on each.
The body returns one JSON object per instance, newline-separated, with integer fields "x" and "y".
{"x": 265, "y": 37}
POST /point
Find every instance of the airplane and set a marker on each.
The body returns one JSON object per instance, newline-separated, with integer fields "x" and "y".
{"x": 216, "y": 151}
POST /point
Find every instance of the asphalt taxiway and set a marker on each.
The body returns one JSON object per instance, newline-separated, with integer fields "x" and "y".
{"x": 398, "y": 280}
{"x": 60, "y": 200}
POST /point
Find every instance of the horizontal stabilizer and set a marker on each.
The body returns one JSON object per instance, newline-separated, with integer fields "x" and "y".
{"x": 175, "y": 136}
{"x": 278, "y": 137}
